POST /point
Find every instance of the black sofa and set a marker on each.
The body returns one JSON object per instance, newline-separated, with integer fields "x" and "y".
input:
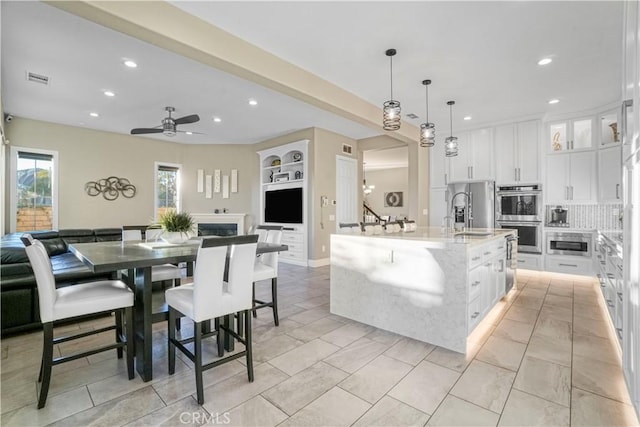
{"x": 18, "y": 289}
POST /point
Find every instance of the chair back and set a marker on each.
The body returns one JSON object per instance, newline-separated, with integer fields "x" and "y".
{"x": 41, "y": 265}
{"x": 273, "y": 235}
{"x": 264, "y": 231}
{"x": 128, "y": 235}
{"x": 213, "y": 295}
{"x": 153, "y": 234}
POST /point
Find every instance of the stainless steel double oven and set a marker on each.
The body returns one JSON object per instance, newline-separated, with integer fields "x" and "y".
{"x": 519, "y": 207}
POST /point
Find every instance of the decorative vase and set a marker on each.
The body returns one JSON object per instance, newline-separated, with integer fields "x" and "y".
{"x": 175, "y": 237}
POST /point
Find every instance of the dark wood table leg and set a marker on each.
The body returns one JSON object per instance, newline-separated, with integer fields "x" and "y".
{"x": 143, "y": 323}
{"x": 229, "y": 341}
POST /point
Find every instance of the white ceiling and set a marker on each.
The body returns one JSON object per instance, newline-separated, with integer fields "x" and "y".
{"x": 483, "y": 55}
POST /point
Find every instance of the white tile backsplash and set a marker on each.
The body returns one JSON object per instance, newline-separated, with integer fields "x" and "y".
{"x": 592, "y": 216}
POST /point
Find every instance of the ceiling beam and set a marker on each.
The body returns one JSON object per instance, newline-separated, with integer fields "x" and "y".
{"x": 166, "y": 26}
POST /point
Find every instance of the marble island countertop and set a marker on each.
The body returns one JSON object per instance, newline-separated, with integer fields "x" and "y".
{"x": 438, "y": 235}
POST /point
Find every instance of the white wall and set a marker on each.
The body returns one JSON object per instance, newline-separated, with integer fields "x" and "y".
{"x": 388, "y": 180}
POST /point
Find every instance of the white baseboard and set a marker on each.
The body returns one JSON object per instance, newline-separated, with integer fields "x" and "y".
{"x": 318, "y": 262}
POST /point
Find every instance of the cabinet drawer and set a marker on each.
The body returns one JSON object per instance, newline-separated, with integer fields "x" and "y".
{"x": 475, "y": 283}
{"x": 529, "y": 262}
{"x": 293, "y": 246}
{"x": 475, "y": 257}
{"x": 291, "y": 237}
{"x": 570, "y": 265}
{"x": 292, "y": 255}
{"x": 474, "y": 313}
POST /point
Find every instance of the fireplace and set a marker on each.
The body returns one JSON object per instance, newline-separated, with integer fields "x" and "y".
{"x": 219, "y": 224}
{"x": 207, "y": 229}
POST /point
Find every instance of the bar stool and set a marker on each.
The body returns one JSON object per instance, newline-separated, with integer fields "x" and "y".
{"x": 221, "y": 287}
{"x": 77, "y": 300}
{"x": 266, "y": 267}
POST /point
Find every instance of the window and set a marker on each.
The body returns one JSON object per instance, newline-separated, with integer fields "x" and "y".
{"x": 34, "y": 190}
{"x": 167, "y": 188}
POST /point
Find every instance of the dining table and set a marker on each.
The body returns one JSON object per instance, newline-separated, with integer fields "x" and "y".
{"x": 138, "y": 258}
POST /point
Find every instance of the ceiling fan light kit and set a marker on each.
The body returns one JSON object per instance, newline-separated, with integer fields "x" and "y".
{"x": 168, "y": 127}
{"x": 391, "y": 109}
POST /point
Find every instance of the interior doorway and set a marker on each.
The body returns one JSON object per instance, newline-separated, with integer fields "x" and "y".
{"x": 386, "y": 190}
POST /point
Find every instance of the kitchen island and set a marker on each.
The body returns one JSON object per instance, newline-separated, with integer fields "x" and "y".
{"x": 429, "y": 285}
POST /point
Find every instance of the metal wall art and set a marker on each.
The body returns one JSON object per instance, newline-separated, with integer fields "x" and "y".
{"x": 111, "y": 188}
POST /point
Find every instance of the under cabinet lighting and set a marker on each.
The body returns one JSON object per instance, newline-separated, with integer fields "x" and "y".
{"x": 545, "y": 61}
{"x": 130, "y": 64}
{"x": 466, "y": 118}
{"x": 217, "y": 119}
{"x": 109, "y": 93}
{"x": 189, "y": 133}
{"x": 94, "y": 114}
{"x": 253, "y": 102}
{"x": 554, "y": 101}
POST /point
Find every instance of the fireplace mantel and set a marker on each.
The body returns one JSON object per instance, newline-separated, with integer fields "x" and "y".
{"x": 223, "y": 218}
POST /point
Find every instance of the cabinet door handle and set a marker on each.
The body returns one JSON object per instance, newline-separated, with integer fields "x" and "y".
{"x": 475, "y": 258}
{"x": 617, "y": 191}
{"x": 619, "y": 333}
{"x": 609, "y": 303}
{"x": 475, "y": 314}
{"x": 620, "y": 296}
{"x": 566, "y": 192}
{"x": 445, "y": 178}
{"x": 515, "y": 174}
{"x": 571, "y": 187}
{"x": 568, "y": 265}
{"x": 476, "y": 283}
{"x": 488, "y": 253}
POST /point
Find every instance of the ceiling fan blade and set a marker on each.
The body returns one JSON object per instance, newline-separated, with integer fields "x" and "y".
{"x": 139, "y": 131}
{"x": 187, "y": 119}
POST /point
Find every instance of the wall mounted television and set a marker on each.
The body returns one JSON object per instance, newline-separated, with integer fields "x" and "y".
{"x": 283, "y": 206}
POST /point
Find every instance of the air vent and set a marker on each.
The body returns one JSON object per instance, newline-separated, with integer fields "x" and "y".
{"x": 412, "y": 116}
{"x": 347, "y": 149}
{"x": 38, "y": 78}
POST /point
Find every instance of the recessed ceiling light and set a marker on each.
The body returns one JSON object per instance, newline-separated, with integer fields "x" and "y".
{"x": 466, "y": 118}
{"x": 109, "y": 93}
{"x": 554, "y": 101}
{"x": 189, "y": 133}
{"x": 253, "y": 102}
{"x": 217, "y": 119}
{"x": 545, "y": 61}
{"x": 94, "y": 114}
{"x": 129, "y": 63}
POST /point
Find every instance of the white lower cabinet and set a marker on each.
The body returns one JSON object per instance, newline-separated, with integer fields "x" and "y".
{"x": 293, "y": 237}
{"x": 486, "y": 280}
{"x": 569, "y": 264}
{"x": 529, "y": 261}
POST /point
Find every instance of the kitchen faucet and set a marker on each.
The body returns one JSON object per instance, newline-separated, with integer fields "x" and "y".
{"x": 468, "y": 218}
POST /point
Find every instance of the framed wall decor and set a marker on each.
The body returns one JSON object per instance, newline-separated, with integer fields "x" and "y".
{"x": 234, "y": 180}
{"x": 208, "y": 186}
{"x": 216, "y": 181}
{"x": 393, "y": 199}
{"x": 200, "y": 181}
{"x": 225, "y": 186}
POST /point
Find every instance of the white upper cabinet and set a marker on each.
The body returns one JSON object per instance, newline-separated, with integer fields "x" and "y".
{"x": 570, "y": 135}
{"x": 439, "y": 166}
{"x": 571, "y": 177}
{"x": 610, "y": 174}
{"x": 609, "y": 133}
{"x": 517, "y": 152}
{"x": 475, "y": 156}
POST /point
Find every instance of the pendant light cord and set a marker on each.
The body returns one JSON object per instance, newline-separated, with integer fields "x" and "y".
{"x": 427, "y": 102}
{"x": 391, "y": 68}
{"x": 451, "y": 120}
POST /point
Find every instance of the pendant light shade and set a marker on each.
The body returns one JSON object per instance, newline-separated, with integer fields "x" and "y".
{"x": 391, "y": 108}
{"x": 451, "y": 142}
{"x": 366, "y": 189}
{"x": 427, "y": 130}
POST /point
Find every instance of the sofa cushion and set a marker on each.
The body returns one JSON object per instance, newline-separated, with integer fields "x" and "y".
{"x": 79, "y": 235}
{"x": 108, "y": 234}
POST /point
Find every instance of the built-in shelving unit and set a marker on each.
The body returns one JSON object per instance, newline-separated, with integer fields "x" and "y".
{"x": 281, "y": 168}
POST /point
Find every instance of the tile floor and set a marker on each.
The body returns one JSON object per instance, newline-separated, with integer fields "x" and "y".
{"x": 543, "y": 356}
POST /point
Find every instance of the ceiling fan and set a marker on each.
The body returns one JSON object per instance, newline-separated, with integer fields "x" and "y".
{"x": 168, "y": 127}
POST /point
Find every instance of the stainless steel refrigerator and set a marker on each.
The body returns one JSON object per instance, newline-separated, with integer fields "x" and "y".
{"x": 472, "y": 204}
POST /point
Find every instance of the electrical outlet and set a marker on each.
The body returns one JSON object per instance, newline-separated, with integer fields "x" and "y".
{"x": 323, "y": 248}
{"x": 332, "y": 217}
{"x": 425, "y": 211}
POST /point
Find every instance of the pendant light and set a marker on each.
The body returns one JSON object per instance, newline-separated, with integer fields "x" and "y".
{"x": 427, "y": 130}
{"x": 451, "y": 142}
{"x": 391, "y": 108}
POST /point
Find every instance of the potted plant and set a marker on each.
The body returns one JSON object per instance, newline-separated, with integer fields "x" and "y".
{"x": 176, "y": 226}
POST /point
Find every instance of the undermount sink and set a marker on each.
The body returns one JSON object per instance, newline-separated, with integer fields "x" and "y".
{"x": 473, "y": 233}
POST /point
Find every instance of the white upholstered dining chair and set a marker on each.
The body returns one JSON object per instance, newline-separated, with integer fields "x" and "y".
{"x": 266, "y": 268}
{"x": 159, "y": 273}
{"x": 77, "y": 300}
{"x": 222, "y": 283}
